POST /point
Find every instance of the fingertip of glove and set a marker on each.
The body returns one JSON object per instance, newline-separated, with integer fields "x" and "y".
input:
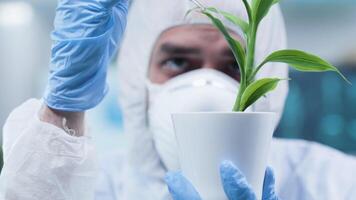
{"x": 171, "y": 177}
{"x": 269, "y": 170}
{"x": 269, "y": 175}
{"x": 227, "y": 168}
{"x": 226, "y": 164}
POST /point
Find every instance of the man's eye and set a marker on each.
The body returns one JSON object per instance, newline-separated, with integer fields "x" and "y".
{"x": 176, "y": 64}
{"x": 234, "y": 67}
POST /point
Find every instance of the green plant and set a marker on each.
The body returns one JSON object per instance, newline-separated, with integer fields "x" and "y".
{"x": 250, "y": 89}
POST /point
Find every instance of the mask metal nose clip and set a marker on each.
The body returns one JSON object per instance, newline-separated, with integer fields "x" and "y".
{"x": 202, "y": 83}
{"x": 207, "y": 79}
{"x": 214, "y": 83}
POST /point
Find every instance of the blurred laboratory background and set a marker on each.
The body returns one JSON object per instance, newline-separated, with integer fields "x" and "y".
{"x": 320, "y": 107}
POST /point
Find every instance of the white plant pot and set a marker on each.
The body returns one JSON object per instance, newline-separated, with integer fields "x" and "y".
{"x": 206, "y": 139}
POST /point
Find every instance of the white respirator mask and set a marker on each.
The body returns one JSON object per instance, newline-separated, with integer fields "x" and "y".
{"x": 202, "y": 90}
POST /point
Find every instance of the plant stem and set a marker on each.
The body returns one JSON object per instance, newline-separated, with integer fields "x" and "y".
{"x": 251, "y": 51}
{"x": 237, "y": 106}
{"x": 250, "y": 58}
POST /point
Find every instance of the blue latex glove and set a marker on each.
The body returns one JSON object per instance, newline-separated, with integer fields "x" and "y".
{"x": 234, "y": 183}
{"x": 85, "y": 37}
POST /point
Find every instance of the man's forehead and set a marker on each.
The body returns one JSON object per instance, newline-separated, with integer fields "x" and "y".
{"x": 191, "y": 27}
{"x": 187, "y": 32}
{"x": 193, "y": 34}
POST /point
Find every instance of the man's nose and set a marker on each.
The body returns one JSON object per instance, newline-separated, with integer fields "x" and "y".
{"x": 211, "y": 65}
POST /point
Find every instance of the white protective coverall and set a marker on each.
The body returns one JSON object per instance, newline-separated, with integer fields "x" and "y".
{"x": 43, "y": 162}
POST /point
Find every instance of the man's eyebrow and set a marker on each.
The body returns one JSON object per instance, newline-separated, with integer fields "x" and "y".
{"x": 171, "y": 48}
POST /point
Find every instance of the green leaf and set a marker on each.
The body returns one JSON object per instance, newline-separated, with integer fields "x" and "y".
{"x": 236, "y": 47}
{"x": 276, "y": 1}
{"x": 256, "y": 90}
{"x": 248, "y": 10}
{"x": 190, "y": 11}
{"x": 302, "y": 61}
{"x": 260, "y": 9}
{"x": 233, "y": 19}
{"x": 198, "y": 4}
